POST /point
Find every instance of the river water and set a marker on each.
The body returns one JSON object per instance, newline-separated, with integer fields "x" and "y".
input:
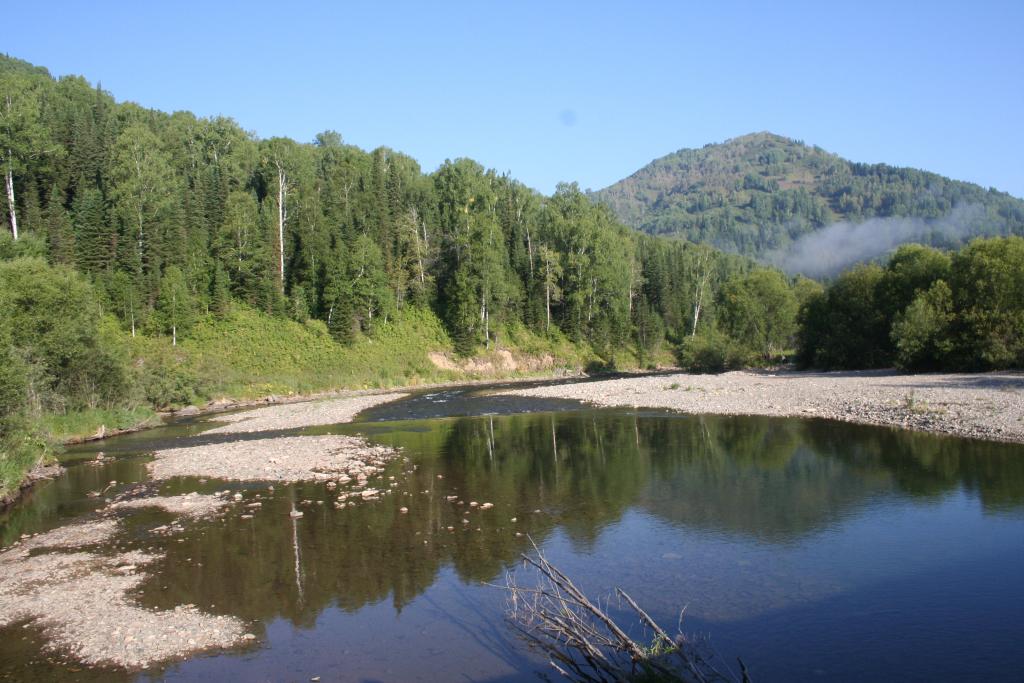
{"x": 811, "y": 549}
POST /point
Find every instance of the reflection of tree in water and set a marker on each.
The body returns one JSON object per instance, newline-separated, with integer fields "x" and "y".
{"x": 583, "y": 475}
{"x": 927, "y": 465}
{"x": 749, "y": 475}
{"x": 773, "y": 479}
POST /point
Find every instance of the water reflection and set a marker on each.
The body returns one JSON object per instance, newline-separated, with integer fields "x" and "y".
{"x": 744, "y": 516}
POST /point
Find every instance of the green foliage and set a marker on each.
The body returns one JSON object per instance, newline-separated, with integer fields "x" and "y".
{"x": 759, "y": 311}
{"x": 163, "y": 378}
{"x": 712, "y": 351}
{"x": 52, "y": 314}
{"x": 62, "y": 427}
{"x": 988, "y": 294}
{"x": 173, "y": 215}
{"x": 175, "y": 305}
{"x": 272, "y": 355}
{"x": 911, "y": 270}
{"x": 921, "y": 332}
{"x": 13, "y": 387}
{"x": 845, "y": 327}
{"x": 924, "y": 311}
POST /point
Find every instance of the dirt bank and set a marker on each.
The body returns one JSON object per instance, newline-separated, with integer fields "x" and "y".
{"x": 984, "y": 406}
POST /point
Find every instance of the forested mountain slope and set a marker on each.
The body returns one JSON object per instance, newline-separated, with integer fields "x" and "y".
{"x": 170, "y": 215}
{"x": 759, "y": 194}
{"x": 150, "y": 260}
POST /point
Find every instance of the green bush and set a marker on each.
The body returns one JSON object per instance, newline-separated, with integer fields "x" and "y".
{"x": 921, "y": 333}
{"x": 52, "y": 317}
{"x": 712, "y": 351}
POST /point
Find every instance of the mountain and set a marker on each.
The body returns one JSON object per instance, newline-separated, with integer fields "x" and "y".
{"x": 801, "y": 207}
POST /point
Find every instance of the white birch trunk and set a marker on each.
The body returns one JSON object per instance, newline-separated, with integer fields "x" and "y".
{"x": 12, "y": 211}
{"x": 698, "y": 299}
{"x": 282, "y": 216}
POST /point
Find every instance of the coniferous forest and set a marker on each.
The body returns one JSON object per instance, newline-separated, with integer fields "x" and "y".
{"x": 150, "y": 260}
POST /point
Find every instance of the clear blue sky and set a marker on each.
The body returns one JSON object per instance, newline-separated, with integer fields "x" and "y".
{"x": 552, "y": 91}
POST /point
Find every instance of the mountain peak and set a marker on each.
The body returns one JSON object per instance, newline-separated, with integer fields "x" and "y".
{"x": 759, "y": 193}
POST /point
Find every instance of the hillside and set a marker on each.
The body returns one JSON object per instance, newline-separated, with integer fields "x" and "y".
{"x": 759, "y": 194}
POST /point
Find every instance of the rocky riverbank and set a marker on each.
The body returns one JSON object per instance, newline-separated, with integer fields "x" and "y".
{"x": 77, "y": 583}
{"x": 983, "y": 406}
{"x": 74, "y": 584}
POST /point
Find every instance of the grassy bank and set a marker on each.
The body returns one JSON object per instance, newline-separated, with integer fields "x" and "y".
{"x": 82, "y": 424}
{"x": 21, "y": 452}
{"x": 247, "y": 354}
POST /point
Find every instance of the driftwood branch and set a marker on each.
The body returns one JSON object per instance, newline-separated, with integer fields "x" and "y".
{"x": 583, "y": 643}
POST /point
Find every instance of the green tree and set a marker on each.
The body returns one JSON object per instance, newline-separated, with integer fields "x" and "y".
{"x": 845, "y": 327}
{"x": 911, "y": 270}
{"x": 220, "y": 291}
{"x": 143, "y": 189}
{"x": 988, "y": 293}
{"x": 175, "y": 306}
{"x": 759, "y": 311}
{"x": 550, "y": 274}
{"x": 921, "y": 333}
{"x": 125, "y": 300}
{"x": 60, "y": 233}
{"x": 370, "y": 293}
{"x": 51, "y": 313}
{"x": 95, "y": 238}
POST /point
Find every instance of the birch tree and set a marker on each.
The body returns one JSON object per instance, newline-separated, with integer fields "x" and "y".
{"x": 551, "y": 267}
{"x": 22, "y": 136}
{"x": 278, "y": 154}
{"x": 175, "y": 308}
{"x": 143, "y": 188}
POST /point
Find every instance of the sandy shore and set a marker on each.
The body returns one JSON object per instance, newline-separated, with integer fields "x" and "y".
{"x": 294, "y": 415}
{"x": 984, "y": 406}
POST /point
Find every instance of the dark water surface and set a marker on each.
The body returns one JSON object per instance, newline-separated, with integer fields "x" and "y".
{"x": 813, "y": 549}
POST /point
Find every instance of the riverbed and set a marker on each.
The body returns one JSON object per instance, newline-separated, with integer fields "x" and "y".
{"x": 810, "y": 548}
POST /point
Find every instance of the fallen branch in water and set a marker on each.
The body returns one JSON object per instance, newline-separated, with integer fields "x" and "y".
{"x": 584, "y": 643}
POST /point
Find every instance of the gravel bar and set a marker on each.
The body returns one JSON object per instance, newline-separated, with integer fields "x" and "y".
{"x": 285, "y": 459}
{"x": 294, "y": 415}
{"x": 983, "y": 406}
{"x": 82, "y": 602}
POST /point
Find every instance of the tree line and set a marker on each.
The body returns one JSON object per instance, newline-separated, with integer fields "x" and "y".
{"x": 165, "y": 218}
{"x": 925, "y": 310}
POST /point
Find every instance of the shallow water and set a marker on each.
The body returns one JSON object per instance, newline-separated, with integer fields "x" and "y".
{"x": 811, "y": 549}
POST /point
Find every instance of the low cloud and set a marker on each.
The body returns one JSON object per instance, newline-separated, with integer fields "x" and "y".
{"x": 830, "y": 250}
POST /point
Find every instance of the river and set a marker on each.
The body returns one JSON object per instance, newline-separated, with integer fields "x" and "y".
{"x": 811, "y": 549}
